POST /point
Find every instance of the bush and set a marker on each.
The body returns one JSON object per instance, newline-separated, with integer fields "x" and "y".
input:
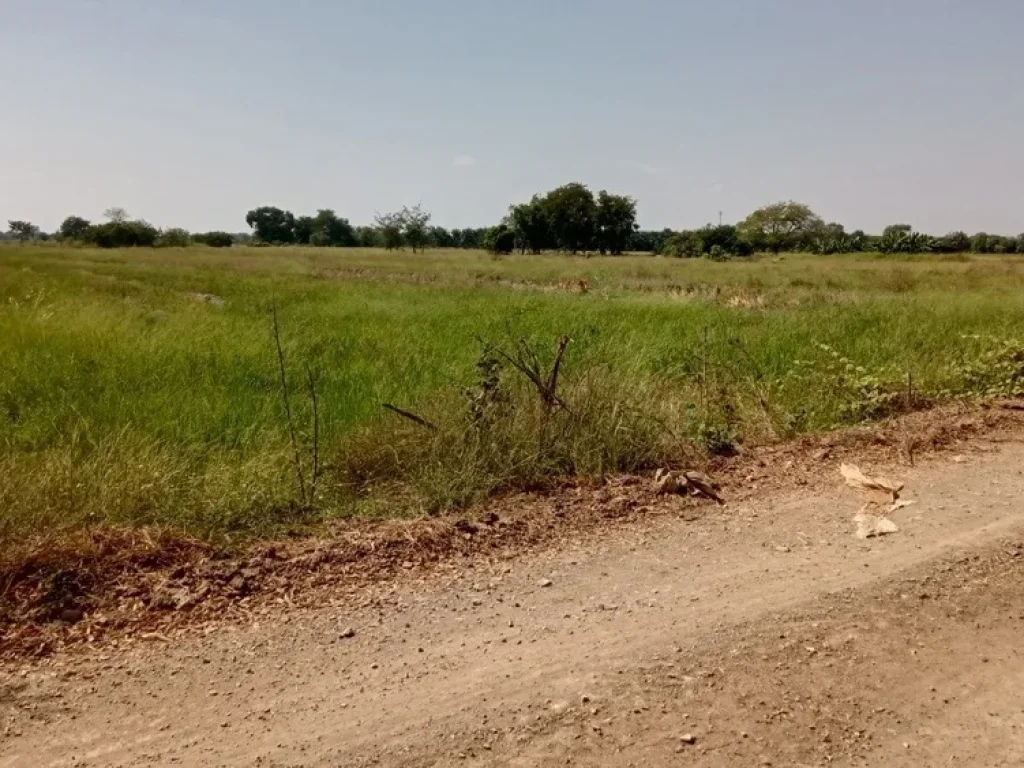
{"x": 174, "y": 238}
{"x": 500, "y": 239}
{"x": 122, "y": 234}
{"x": 214, "y": 239}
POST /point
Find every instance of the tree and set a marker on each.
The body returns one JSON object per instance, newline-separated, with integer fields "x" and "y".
{"x": 682, "y": 245}
{"x": 530, "y": 225}
{"x": 441, "y": 237}
{"x": 780, "y": 226}
{"x": 116, "y": 215}
{"x": 500, "y": 239}
{"x": 414, "y": 223}
{"x": 303, "y": 230}
{"x": 328, "y": 229}
{"x": 616, "y": 222}
{"x": 572, "y": 211}
{"x": 214, "y": 239}
{"x": 980, "y": 243}
{"x": 23, "y": 230}
{"x": 390, "y": 230}
{"x": 73, "y": 228}
{"x": 123, "y": 234}
{"x": 368, "y": 237}
{"x": 954, "y": 242}
{"x": 272, "y": 225}
{"x": 174, "y": 238}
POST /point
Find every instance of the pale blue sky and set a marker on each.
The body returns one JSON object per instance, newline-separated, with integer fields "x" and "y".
{"x": 190, "y": 112}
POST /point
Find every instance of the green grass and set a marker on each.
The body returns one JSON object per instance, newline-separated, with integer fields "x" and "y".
{"x": 126, "y": 399}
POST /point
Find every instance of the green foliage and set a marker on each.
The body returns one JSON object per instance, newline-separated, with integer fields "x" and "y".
{"x": 23, "y": 230}
{"x": 530, "y": 225}
{"x": 995, "y": 368}
{"x": 414, "y": 222}
{"x": 572, "y": 213}
{"x": 330, "y": 230}
{"x": 390, "y": 228}
{"x": 683, "y": 245}
{"x": 616, "y": 222}
{"x": 781, "y": 227}
{"x": 272, "y": 225}
{"x": 500, "y": 239}
{"x": 122, "y": 234}
{"x": 214, "y": 239}
{"x": 73, "y": 228}
{"x": 954, "y": 242}
{"x": 900, "y": 238}
{"x": 174, "y": 238}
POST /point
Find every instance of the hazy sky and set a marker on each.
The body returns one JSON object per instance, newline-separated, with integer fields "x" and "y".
{"x": 190, "y": 112}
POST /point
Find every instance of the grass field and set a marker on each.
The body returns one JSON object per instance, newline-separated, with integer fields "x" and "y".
{"x": 142, "y": 387}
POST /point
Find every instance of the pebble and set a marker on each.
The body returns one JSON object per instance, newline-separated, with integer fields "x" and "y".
{"x": 348, "y": 632}
{"x": 545, "y": 583}
{"x": 688, "y": 738}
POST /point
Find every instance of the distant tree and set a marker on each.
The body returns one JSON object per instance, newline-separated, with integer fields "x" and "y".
{"x": 414, "y": 223}
{"x": 981, "y": 243}
{"x": 328, "y": 229}
{"x": 897, "y": 229}
{"x": 954, "y": 242}
{"x": 116, "y": 215}
{"x": 780, "y": 226}
{"x": 123, "y": 234}
{"x": 616, "y": 222}
{"x": 390, "y": 230}
{"x": 901, "y": 238}
{"x": 725, "y": 237}
{"x": 214, "y": 239}
{"x": 23, "y": 230}
{"x": 73, "y": 228}
{"x": 368, "y": 237}
{"x": 174, "y": 238}
{"x": 303, "y": 230}
{"x": 472, "y": 238}
{"x": 441, "y": 238}
{"x": 572, "y": 211}
{"x": 683, "y": 245}
{"x": 500, "y": 239}
{"x": 530, "y": 225}
{"x": 272, "y": 225}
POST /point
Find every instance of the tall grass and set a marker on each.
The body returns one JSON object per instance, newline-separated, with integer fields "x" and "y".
{"x": 141, "y": 387}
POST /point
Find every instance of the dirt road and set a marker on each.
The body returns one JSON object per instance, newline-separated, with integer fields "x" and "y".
{"x": 759, "y": 634}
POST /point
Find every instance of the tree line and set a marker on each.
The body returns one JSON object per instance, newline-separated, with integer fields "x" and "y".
{"x": 569, "y": 219}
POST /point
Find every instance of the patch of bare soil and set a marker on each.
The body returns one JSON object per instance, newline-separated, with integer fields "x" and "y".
{"x": 103, "y": 584}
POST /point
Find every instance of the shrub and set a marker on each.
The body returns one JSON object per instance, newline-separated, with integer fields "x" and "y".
{"x": 500, "y": 239}
{"x": 174, "y": 238}
{"x": 214, "y": 239}
{"x": 122, "y": 234}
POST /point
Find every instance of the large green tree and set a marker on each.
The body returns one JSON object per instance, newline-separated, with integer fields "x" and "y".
{"x": 23, "y": 230}
{"x": 530, "y": 225}
{"x": 781, "y": 226}
{"x": 415, "y": 229}
{"x": 616, "y": 222}
{"x": 329, "y": 229}
{"x": 572, "y": 212}
{"x": 73, "y": 228}
{"x": 272, "y": 225}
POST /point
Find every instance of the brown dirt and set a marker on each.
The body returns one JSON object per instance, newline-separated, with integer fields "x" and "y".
{"x": 763, "y": 633}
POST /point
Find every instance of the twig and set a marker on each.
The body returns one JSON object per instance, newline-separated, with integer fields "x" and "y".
{"x": 288, "y": 406}
{"x": 316, "y": 435}
{"x": 410, "y": 416}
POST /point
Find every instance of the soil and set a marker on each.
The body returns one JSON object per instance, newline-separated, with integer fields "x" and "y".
{"x": 762, "y": 632}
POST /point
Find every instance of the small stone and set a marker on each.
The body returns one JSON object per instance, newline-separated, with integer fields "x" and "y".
{"x": 688, "y": 738}
{"x": 545, "y": 583}
{"x": 348, "y": 632}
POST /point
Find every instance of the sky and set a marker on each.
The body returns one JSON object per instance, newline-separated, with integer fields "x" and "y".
{"x": 191, "y": 112}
